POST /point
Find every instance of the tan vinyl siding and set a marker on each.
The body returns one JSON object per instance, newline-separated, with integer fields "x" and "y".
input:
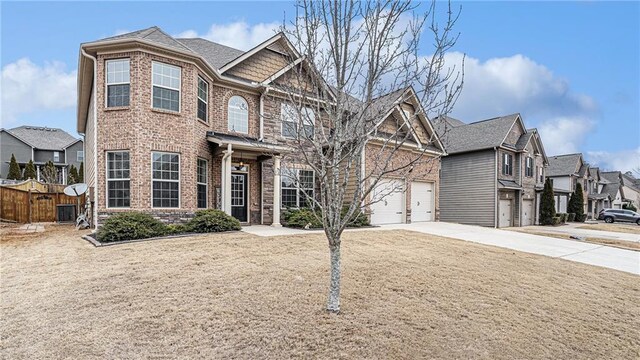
{"x": 467, "y": 188}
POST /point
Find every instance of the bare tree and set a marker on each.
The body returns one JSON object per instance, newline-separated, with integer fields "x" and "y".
{"x": 359, "y": 60}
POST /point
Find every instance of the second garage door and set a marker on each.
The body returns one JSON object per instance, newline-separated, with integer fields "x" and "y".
{"x": 421, "y": 201}
{"x": 388, "y": 197}
{"x": 527, "y": 212}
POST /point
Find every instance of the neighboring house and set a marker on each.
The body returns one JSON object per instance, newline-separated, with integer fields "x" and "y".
{"x": 613, "y": 187}
{"x": 565, "y": 171}
{"x": 597, "y": 199}
{"x": 40, "y": 144}
{"x": 493, "y": 174}
{"x": 176, "y": 125}
{"x": 628, "y": 193}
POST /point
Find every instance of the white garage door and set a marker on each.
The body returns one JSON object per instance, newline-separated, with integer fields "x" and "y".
{"x": 505, "y": 213}
{"x": 527, "y": 212}
{"x": 388, "y": 203}
{"x": 421, "y": 201}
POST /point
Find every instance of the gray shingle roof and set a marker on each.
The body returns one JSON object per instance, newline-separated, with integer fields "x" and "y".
{"x": 611, "y": 189}
{"x": 217, "y": 55}
{"x": 42, "y": 137}
{"x": 629, "y": 181}
{"x": 524, "y": 139}
{"x": 563, "y": 165}
{"x": 611, "y": 176}
{"x": 479, "y": 135}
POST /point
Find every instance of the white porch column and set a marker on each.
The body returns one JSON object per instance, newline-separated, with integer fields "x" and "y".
{"x": 38, "y": 172}
{"x": 276, "y": 191}
{"x": 64, "y": 176}
{"x": 226, "y": 180}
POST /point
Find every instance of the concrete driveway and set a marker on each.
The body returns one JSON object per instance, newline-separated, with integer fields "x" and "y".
{"x": 592, "y": 254}
{"x": 573, "y": 229}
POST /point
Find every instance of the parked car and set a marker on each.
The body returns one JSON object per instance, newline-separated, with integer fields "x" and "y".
{"x": 612, "y": 215}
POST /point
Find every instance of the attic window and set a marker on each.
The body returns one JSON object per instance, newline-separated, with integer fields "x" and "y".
{"x": 117, "y": 82}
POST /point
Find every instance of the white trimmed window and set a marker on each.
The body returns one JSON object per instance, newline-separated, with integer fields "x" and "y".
{"x": 166, "y": 86}
{"x": 238, "y": 114}
{"x": 202, "y": 183}
{"x": 118, "y": 82}
{"x": 540, "y": 174}
{"x": 507, "y": 164}
{"x": 291, "y": 121}
{"x": 528, "y": 171}
{"x": 166, "y": 180}
{"x": 118, "y": 180}
{"x": 297, "y": 187}
{"x": 80, "y": 155}
{"x": 56, "y": 156}
{"x": 203, "y": 96}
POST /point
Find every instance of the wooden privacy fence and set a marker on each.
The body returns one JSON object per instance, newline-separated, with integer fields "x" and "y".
{"x": 31, "y": 205}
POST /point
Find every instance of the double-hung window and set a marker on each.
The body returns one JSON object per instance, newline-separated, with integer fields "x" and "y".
{"x": 507, "y": 164}
{"x": 528, "y": 171}
{"x": 166, "y": 180}
{"x": 203, "y": 96}
{"x": 540, "y": 174}
{"x": 238, "y": 114}
{"x": 117, "y": 82}
{"x": 118, "y": 180}
{"x": 80, "y": 155}
{"x": 166, "y": 86}
{"x": 292, "y": 121}
{"x": 202, "y": 183}
{"x": 297, "y": 188}
{"x": 56, "y": 156}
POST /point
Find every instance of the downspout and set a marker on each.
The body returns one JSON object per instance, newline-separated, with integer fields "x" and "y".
{"x": 261, "y": 138}
{"x": 495, "y": 189}
{"x": 95, "y": 137}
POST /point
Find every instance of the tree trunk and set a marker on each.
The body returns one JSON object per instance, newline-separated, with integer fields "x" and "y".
{"x": 333, "y": 305}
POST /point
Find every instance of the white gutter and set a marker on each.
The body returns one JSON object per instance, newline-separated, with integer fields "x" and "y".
{"x": 261, "y": 138}
{"x": 95, "y": 138}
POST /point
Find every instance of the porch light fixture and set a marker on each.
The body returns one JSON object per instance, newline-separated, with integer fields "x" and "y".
{"x": 241, "y": 163}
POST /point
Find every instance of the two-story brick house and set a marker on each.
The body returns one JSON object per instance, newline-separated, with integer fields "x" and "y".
{"x": 494, "y": 172}
{"x": 565, "y": 172}
{"x": 175, "y": 125}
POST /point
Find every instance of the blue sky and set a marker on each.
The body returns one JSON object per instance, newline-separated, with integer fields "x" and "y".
{"x": 572, "y": 69}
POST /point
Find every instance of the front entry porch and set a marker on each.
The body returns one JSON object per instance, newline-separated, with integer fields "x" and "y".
{"x": 249, "y": 185}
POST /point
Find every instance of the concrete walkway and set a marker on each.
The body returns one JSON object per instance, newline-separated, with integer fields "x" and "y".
{"x": 31, "y": 228}
{"x": 572, "y": 229}
{"x": 592, "y": 254}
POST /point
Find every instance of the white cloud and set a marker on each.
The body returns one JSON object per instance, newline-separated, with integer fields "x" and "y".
{"x": 564, "y": 135}
{"x": 517, "y": 84}
{"x": 27, "y": 88}
{"x": 239, "y": 35}
{"x": 625, "y": 160}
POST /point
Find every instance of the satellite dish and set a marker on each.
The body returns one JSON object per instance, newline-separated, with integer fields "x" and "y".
{"x": 76, "y": 189}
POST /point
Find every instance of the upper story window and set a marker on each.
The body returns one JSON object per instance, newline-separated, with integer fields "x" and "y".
{"x": 238, "y": 114}
{"x": 292, "y": 120}
{"x": 118, "y": 82}
{"x": 56, "y": 156}
{"x": 166, "y": 180}
{"x": 528, "y": 171}
{"x": 80, "y": 155}
{"x": 507, "y": 164}
{"x": 203, "y": 96}
{"x": 166, "y": 86}
{"x": 118, "y": 179}
{"x": 540, "y": 174}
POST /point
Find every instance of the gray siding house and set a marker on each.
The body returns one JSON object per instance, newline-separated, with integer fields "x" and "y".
{"x": 493, "y": 174}
{"x": 40, "y": 144}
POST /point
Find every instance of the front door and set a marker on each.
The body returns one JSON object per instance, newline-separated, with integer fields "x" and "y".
{"x": 239, "y": 196}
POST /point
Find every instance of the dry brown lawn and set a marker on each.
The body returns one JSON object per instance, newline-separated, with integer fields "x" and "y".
{"x": 622, "y": 244}
{"x": 623, "y": 228}
{"x": 405, "y": 295}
